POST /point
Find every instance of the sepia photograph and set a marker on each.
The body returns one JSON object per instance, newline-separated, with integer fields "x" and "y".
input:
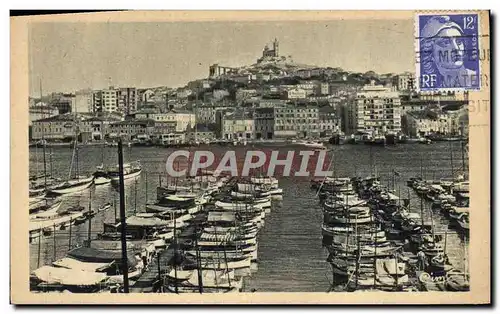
{"x": 217, "y": 154}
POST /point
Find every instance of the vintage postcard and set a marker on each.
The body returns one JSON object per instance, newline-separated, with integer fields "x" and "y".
{"x": 272, "y": 157}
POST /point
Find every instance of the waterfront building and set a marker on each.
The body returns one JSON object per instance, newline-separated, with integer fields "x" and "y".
{"x": 296, "y": 121}
{"x": 423, "y": 123}
{"x": 95, "y": 128}
{"x": 164, "y": 127}
{"x": 204, "y": 133}
{"x": 60, "y": 127}
{"x": 349, "y": 117}
{"x": 40, "y": 111}
{"x": 427, "y": 122}
{"x": 171, "y": 138}
{"x": 329, "y": 121}
{"x": 130, "y": 129}
{"x": 377, "y": 110}
{"x": 264, "y": 123}
{"x": 184, "y": 119}
{"x": 238, "y": 125}
{"x": 206, "y": 114}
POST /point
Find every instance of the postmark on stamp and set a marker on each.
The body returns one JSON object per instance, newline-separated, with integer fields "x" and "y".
{"x": 448, "y": 46}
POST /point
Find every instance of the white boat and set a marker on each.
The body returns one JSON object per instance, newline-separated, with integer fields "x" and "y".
{"x": 227, "y": 236}
{"x": 353, "y": 220}
{"x": 220, "y": 264}
{"x": 455, "y": 212}
{"x": 49, "y": 212}
{"x": 463, "y": 221}
{"x": 256, "y": 199}
{"x": 264, "y": 180}
{"x": 187, "y": 281}
{"x": 234, "y": 230}
{"x": 272, "y": 192}
{"x": 104, "y": 207}
{"x": 243, "y": 206}
{"x": 36, "y": 201}
{"x": 73, "y": 186}
{"x": 461, "y": 187}
{"x": 217, "y": 241}
{"x": 130, "y": 171}
{"x": 101, "y": 180}
{"x": 38, "y": 224}
{"x": 312, "y": 144}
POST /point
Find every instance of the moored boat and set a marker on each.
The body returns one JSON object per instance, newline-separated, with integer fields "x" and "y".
{"x": 72, "y": 186}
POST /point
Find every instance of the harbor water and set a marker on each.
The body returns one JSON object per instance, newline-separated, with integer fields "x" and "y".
{"x": 291, "y": 256}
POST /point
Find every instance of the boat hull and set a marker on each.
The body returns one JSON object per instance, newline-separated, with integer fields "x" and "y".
{"x": 116, "y": 179}
{"x": 73, "y": 188}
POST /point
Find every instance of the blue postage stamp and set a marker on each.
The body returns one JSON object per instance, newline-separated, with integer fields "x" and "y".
{"x": 448, "y": 52}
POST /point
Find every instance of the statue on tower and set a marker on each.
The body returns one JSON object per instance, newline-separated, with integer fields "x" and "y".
{"x": 276, "y": 45}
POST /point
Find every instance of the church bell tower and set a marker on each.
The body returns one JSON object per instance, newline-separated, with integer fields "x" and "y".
{"x": 276, "y": 47}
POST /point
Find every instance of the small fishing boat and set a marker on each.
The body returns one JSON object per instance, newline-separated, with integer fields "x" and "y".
{"x": 463, "y": 221}
{"x": 312, "y": 144}
{"x": 271, "y": 181}
{"x": 101, "y": 180}
{"x": 80, "y": 220}
{"x": 47, "y": 231}
{"x": 104, "y": 207}
{"x": 130, "y": 171}
{"x": 73, "y": 186}
{"x": 101, "y": 176}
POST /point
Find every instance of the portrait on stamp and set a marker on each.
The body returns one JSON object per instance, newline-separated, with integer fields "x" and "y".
{"x": 449, "y": 52}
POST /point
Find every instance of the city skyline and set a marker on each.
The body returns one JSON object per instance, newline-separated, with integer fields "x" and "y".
{"x": 89, "y": 55}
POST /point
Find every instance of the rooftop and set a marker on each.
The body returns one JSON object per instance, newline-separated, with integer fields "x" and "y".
{"x": 147, "y": 122}
{"x": 59, "y": 118}
{"x": 423, "y": 115}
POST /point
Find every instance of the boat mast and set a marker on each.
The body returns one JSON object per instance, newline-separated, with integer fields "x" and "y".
{"x": 421, "y": 167}
{"x": 43, "y": 141}
{"x": 175, "y": 254}
{"x": 463, "y": 160}
{"x": 122, "y": 218}
{"x": 451, "y": 160}
{"x": 198, "y": 260}
{"x": 77, "y": 129}
{"x": 135, "y": 196}
{"x": 90, "y": 218}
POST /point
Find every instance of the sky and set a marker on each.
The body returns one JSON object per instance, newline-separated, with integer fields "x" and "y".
{"x": 67, "y": 57}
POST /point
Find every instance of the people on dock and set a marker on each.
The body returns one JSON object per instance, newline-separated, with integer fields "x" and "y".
{"x": 422, "y": 260}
